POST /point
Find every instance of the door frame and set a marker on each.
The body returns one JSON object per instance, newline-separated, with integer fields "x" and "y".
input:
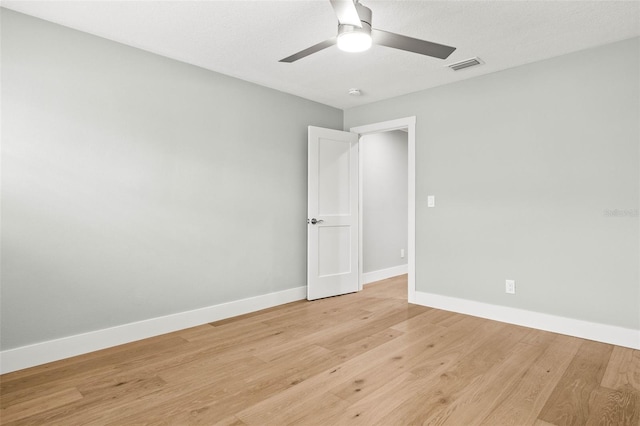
{"x": 408, "y": 123}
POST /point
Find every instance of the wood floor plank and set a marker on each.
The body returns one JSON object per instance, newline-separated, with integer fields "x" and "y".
{"x": 229, "y": 421}
{"x": 430, "y": 316}
{"x": 542, "y": 423}
{"x": 614, "y": 407}
{"x": 569, "y": 402}
{"x": 316, "y": 320}
{"x": 361, "y": 359}
{"x": 314, "y": 411}
{"x": 623, "y": 369}
{"x": 378, "y": 403}
{"x": 124, "y": 400}
{"x": 369, "y": 324}
{"x": 27, "y": 393}
{"x": 324, "y": 381}
{"x": 523, "y": 400}
{"x": 380, "y": 373}
{"x": 92, "y": 409}
{"x": 365, "y": 344}
{"x": 342, "y": 334}
{"x": 38, "y": 405}
{"x": 66, "y": 373}
{"x": 182, "y": 395}
{"x": 433, "y": 348}
{"x": 209, "y": 407}
{"x": 433, "y": 394}
{"x": 454, "y": 344}
{"x": 478, "y": 398}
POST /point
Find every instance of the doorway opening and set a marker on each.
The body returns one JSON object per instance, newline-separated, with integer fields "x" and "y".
{"x": 407, "y": 126}
{"x": 383, "y": 204}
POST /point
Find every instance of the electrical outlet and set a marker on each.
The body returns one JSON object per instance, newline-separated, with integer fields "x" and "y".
{"x": 431, "y": 200}
{"x": 510, "y": 287}
{"x": 402, "y": 253}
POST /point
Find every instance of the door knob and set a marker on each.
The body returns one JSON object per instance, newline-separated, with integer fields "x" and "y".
{"x": 314, "y": 221}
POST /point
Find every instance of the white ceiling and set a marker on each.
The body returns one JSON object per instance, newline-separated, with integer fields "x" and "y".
{"x": 245, "y": 39}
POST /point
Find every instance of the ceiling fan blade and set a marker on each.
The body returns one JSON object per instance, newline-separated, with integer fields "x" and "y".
{"x": 397, "y": 41}
{"x": 310, "y": 50}
{"x": 346, "y": 12}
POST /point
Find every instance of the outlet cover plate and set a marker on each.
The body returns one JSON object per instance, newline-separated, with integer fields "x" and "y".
{"x": 510, "y": 287}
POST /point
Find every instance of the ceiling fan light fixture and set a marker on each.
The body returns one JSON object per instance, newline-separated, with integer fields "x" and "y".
{"x": 356, "y": 35}
{"x": 354, "y": 39}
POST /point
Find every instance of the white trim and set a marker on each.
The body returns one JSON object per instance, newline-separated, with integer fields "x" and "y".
{"x": 614, "y": 335}
{"x": 361, "y": 278}
{"x": 383, "y": 274}
{"x": 408, "y": 123}
{"x": 53, "y": 350}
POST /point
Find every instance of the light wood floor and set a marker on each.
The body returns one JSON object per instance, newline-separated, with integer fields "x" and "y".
{"x": 368, "y": 358}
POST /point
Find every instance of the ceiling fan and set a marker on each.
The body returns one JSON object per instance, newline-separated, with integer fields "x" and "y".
{"x": 355, "y": 34}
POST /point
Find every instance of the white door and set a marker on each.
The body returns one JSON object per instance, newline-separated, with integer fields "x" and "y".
{"x": 332, "y": 229}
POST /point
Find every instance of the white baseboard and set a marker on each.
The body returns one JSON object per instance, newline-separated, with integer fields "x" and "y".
{"x": 53, "y": 350}
{"x": 614, "y": 335}
{"x": 383, "y": 274}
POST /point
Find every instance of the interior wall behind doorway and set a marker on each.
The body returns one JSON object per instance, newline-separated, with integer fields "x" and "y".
{"x": 384, "y": 203}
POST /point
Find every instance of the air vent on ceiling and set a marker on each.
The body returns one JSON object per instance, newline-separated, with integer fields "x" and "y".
{"x": 466, "y": 64}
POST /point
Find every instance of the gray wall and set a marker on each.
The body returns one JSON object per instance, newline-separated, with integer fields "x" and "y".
{"x": 527, "y": 166}
{"x": 135, "y": 186}
{"x": 384, "y": 199}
